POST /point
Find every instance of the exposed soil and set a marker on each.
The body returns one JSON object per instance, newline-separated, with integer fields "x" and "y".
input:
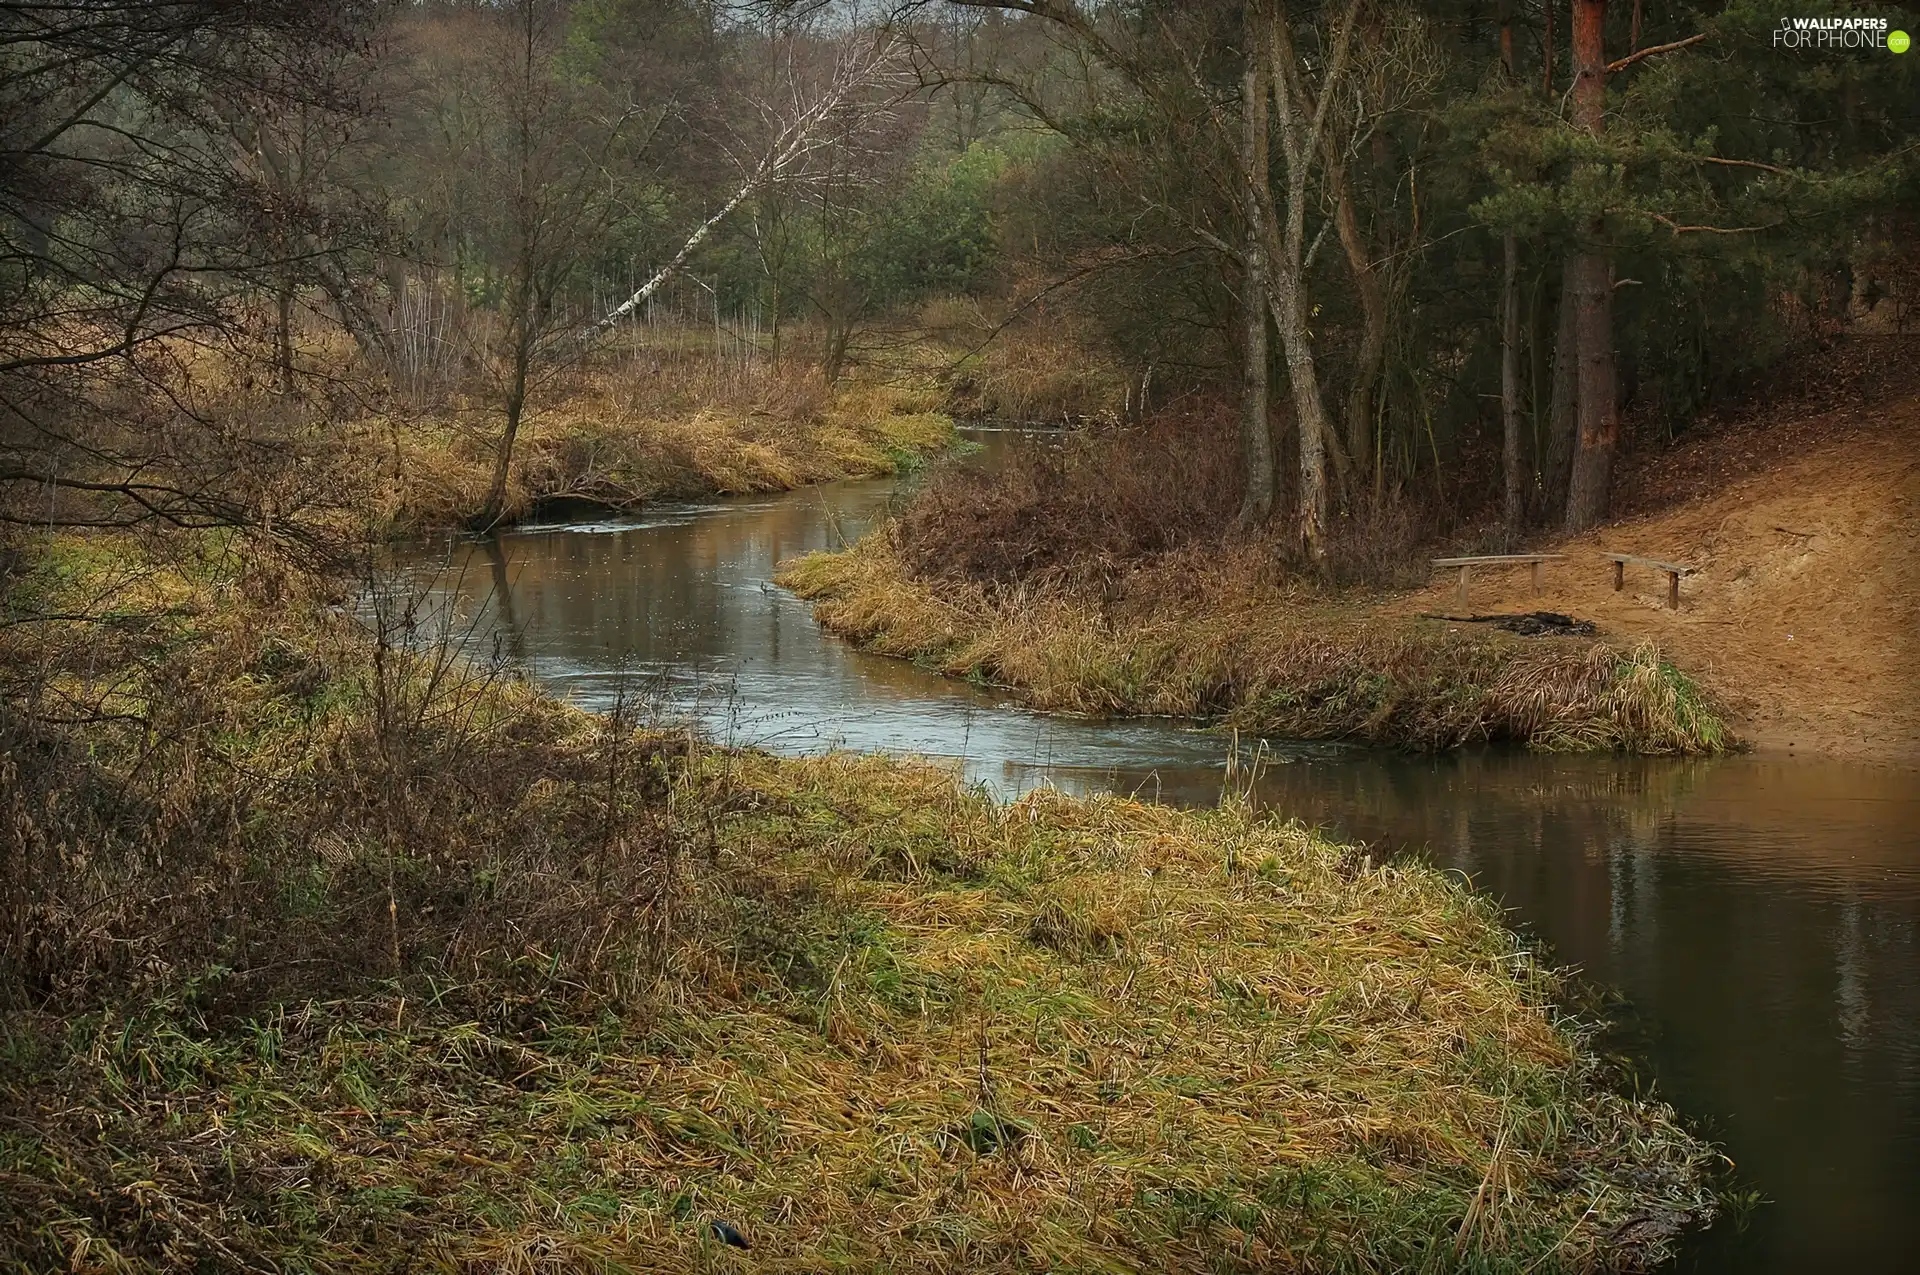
{"x": 1803, "y": 614}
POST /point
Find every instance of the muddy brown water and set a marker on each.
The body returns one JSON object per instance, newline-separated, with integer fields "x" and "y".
{"x": 1758, "y": 917}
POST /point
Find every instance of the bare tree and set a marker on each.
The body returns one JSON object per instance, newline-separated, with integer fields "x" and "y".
{"x": 1302, "y": 106}
{"x": 311, "y": 222}
{"x": 550, "y": 155}
{"x": 128, "y": 232}
{"x": 1394, "y": 67}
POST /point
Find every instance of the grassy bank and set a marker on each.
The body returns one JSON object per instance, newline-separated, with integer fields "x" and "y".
{"x": 617, "y": 439}
{"x": 323, "y": 956}
{"x": 1207, "y": 636}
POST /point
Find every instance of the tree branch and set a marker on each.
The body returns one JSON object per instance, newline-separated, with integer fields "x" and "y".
{"x": 1679, "y": 229}
{"x": 1629, "y": 60}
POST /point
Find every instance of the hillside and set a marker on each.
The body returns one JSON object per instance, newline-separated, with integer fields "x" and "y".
{"x": 1804, "y": 614}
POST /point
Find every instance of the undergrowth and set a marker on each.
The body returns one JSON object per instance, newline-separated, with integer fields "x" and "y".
{"x": 1105, "y": 499}
{"x": 1200, "y": 633}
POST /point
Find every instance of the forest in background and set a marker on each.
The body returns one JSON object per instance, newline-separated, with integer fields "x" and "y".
{"x": 1431, "y": 263}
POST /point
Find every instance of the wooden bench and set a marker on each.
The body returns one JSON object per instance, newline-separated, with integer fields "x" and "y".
{"x": 1466, "y": 566}
{"x": 1674, "y": 571}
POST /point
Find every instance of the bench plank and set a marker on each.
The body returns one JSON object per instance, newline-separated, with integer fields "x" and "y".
{"x": 1655, "y": 563}
{"x": 1495, "y": 559}
{"x": 1673, "y": 570}
{"x": 1466, "y": 565}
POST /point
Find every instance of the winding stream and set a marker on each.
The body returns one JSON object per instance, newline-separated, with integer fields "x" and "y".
{"x": 1760, "y": 916}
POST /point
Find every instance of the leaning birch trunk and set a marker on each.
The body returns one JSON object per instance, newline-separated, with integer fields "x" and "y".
{"x": 1515, "y": 505}
{"x": 1592, "y": 276}
{"x": 753, "y": 185}
{"x": 1256, "y": 438}
{"x": 785, "y": 160}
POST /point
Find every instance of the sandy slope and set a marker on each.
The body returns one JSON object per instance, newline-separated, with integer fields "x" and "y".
{"x": 1804, "y": 617}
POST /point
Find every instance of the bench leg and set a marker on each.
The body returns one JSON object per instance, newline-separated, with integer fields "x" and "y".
{"x": 1619, "y": 576}
{"x": 1463, "y": 587}
{"x": 1536, "y": 579}
{"x": 1673, "y": 590}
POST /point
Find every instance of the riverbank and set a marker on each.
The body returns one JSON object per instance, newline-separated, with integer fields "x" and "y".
{"x": 620, "y": 441}
{"x": 1802, "y": 615}
{"x": 1221, "y": 638}
{"x": 374, "y": 954}
{"x": 1104, "y": 578}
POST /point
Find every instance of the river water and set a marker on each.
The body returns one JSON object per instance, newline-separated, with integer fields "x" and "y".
{"x": 1758, "y": 917}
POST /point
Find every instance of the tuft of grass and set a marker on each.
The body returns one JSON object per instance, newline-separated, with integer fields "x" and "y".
{"x": 1207, "y": 637}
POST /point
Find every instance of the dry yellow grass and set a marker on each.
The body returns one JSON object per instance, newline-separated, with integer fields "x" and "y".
{"x": 908, "y": 1030}
{"x": 1195, "y": 637}
{"x": 375, "y": 961}
{"x": 1040, "y": 370}
{"x": 607, "y": 440}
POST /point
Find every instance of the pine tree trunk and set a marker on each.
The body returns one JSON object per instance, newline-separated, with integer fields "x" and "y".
{"x": 1592, "y": 274}
{"x": 1598, "y": 431}
{"x": 1514, "y": 506}
{"x": 1563, "y": 419}
{"x": 1256, "y": 504}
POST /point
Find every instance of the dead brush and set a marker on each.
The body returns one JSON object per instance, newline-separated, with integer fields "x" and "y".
{"x": 270, "y": 802}
{"x": 1106, "y": 497}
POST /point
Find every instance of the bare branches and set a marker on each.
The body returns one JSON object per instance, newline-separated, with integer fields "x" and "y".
{"x": 131, "y": 230}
